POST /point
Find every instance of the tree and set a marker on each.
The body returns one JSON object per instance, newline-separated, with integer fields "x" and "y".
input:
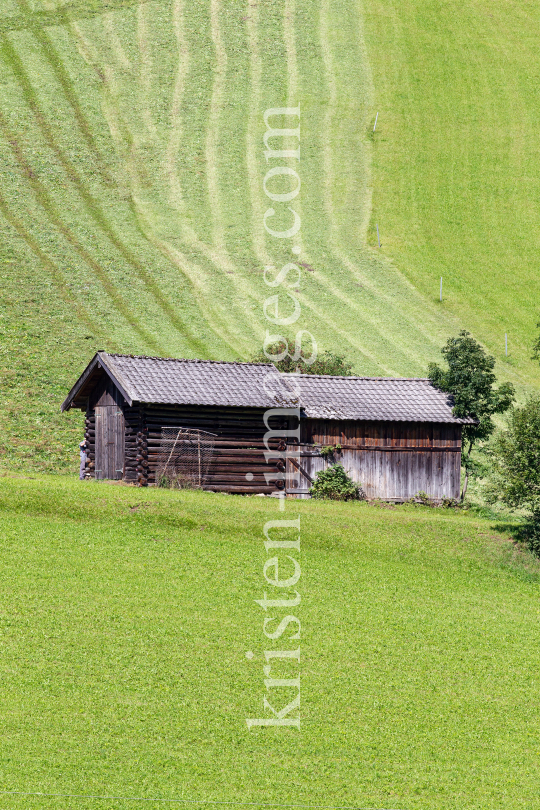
{"x": 515, "y": 454}
{"x": 470, "y": 380}
{"x": 326, "y": 363}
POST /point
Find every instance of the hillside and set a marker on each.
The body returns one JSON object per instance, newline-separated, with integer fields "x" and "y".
{"x": 124, "y": 640}
{"x": 131, "y": 199}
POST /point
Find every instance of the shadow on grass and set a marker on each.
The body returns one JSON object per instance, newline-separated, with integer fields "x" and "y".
{"x": 508, "y": 527}
{"x": 516, "y": 555}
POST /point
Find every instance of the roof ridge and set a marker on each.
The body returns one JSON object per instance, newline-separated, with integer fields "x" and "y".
{"x": 265, "y": 365}
{"x": 189, "y": 360}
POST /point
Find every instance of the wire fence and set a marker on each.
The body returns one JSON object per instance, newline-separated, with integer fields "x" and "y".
{"x": 184, "y": 457}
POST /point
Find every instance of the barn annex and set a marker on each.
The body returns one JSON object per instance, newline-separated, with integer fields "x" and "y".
{"x": 397, "y": 436}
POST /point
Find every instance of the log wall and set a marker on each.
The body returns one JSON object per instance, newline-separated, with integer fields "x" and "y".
{"x": 238, "y": 463}
{"x": 134, "y": 471}
{"x": 90, "y": 438}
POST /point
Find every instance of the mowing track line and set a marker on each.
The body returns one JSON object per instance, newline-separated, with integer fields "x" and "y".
{"x": 53, "y": 215}
{"x": 92, "y": 206}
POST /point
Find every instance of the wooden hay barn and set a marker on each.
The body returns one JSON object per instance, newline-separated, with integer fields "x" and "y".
{"x": 398, "y": 436}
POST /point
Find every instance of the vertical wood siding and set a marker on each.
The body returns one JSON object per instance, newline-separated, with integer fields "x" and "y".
{"x": 109, "y": 442}
{"x": 390, "y": 460}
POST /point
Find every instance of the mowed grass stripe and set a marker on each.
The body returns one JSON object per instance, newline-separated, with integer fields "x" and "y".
{"x": 176, "y": 126}
{"x": 416, "y": 325}
{"x": 232, "y": 156}
{"x": 320, "y": 319}
{"x": 212, "y": 133}
{"x": 92, "y": 206}
{"x": 409, "y": 324}
{"x": 53, "y": 58}
{"x": 323, "y": 325}
{"x": 59, "y": 278}
{"x": 230, "y": 296}
{"x": 115, "y": 44}
{"x": 195, "y": 345}
{"x": 235, "y": 295}
{"x": 216, "y": 315}
{"x": 237, "y": 290}
{"x": 215, "y": 165}
{"x": 151, "y": 207}
{"x": 65, "y": 14}
{"x": 54, "y": 216}
{"x": 110, "y": 42}
{"x": 196, "y": 115}
{"x": 144, "y": 80}
{"x": 289, "y": 36}
{"x": 323, "y": 278}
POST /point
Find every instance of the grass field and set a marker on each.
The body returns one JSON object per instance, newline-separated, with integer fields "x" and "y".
{"x": 131, "y": 197}
{"x": 131, "y": 210}
{"x": 455, "y": 174}
{"x": 125, "y": 620}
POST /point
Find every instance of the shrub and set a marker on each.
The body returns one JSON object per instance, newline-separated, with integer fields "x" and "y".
{"x": 334, "y": 484}
{"x": 530, "y": 533}
{"x": 536, "y": 347}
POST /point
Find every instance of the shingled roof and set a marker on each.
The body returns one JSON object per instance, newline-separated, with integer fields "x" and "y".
{"x": 156, "y": 380}
{"x": 394, "y": 399}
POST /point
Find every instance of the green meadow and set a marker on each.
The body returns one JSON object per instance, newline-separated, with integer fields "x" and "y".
{"x": 127, "y": 614}
{"x": 131, "y": 199}
{"x": 131, "y": 220}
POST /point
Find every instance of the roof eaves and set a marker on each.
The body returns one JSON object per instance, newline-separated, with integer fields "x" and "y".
{"x": 79, "y": 384}
{"x": 100, "y": 359}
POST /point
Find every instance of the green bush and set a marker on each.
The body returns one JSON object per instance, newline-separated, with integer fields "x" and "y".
{"x": 530, "y": 533}
{"x": 334, "y": 484}
{"x": 515, "y": 472}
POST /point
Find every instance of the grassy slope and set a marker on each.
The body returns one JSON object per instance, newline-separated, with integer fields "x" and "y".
{"x": 125, "y": 627}
{"x": 456, "y": 180}
{"x": 131, "y": 207}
